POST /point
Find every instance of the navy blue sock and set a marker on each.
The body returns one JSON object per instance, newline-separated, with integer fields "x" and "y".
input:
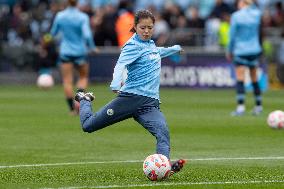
{"x": 257, "y": 93}
{"x": 70, "y": 103}
{"x": 240, "y": 92}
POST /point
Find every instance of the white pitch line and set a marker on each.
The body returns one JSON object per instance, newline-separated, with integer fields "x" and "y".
{"x": 173, "y": 184}
{"x": 70, "y": 163}
{"x": 237, "y": 158}
{"x": 139, "y": 161}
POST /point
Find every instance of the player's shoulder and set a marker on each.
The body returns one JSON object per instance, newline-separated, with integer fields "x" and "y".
{"x": 83, "y": 14}
{"x": 64, "y": 13}
{"x": 256, "y": 10}
{"x": 129, "y": 46}
{"x": 237, "y": 14}
{"x": 60, "y": 13}
{"x": 76, "y": 12}
{"x": 131, "y": 43}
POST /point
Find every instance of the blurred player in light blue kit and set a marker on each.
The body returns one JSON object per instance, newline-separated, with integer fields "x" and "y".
{"x": 244, "y": 49}
{"x": 138, "y": 97}
{"x": 76, "y": 36}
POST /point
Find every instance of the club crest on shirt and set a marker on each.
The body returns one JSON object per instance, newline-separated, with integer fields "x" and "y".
{"x": 110, "y": 112}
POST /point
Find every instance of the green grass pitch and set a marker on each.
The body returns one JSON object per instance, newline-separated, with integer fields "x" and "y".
{"x": 41, "y": 146}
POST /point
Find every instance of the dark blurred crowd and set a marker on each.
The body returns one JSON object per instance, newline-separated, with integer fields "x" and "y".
{"x": 25, "y": 21}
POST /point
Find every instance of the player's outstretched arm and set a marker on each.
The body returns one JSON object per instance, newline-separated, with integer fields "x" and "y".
{"x": 167, "y": 51}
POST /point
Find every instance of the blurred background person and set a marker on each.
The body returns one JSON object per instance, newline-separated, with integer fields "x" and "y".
{"x": 244, "y": 50}
{"x": 47, "y": 55}
{"x": 74, "y": 26}
{"x": 194, "y": 19}
{"x": 278, "y": 16}
{"x": 161, "y": 30}
{"x": 171, "y": 14}
{"x": 224, "y": 30}
{"x": 124, "y": 21}
{"x": 220, "y": 8}
{"x": 103, "y": 24}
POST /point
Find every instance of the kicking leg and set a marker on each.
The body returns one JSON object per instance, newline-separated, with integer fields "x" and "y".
{"x": 115, "y": 111}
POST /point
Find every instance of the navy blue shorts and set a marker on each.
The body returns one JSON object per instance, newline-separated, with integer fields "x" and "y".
{"x": 250, "y": 61}
{"x": 77, "y": 60}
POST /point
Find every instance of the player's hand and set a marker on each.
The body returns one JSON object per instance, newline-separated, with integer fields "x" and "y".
{"x": 181, "y": 51}
{"x": 229, "y": 56}
{"x": 94, "y": 51}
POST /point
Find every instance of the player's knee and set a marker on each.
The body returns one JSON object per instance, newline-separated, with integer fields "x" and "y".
{"x": 87, "y": 128}
{"x": 90, "y": 127}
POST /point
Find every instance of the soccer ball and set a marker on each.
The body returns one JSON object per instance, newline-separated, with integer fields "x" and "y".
{"x": 156, "y": 167}
{"x": 275, "y": 119}
{"x": 45, "y": 81}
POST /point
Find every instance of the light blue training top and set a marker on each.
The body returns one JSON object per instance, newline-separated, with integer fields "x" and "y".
{"x": 76, "y": 33}
{"x": 245, "y": 32}
{"x": 142, "y": 59}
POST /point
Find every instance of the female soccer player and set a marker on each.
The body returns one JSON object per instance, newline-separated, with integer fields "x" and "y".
{"x": 138, "y": 97}
{"x": 75, "y": 29}
{"x": 244, "y": 50}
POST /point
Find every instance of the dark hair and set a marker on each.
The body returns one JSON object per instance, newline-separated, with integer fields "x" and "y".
{"x": 72, "y": 3}
{"x": 142, "y": 14}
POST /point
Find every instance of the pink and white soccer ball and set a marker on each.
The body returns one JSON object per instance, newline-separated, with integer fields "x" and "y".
{"x": 156, "y": 167}
{"x": 45, "y": 81}
{"x": 275, "y": 119}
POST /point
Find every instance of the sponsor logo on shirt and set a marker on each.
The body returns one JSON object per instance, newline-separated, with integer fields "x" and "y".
{"x": 154, "y": 56}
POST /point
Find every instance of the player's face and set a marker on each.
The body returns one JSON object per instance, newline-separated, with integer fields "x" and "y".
{"x": 145, "y": 28}
{"x": 241, "y": 4}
